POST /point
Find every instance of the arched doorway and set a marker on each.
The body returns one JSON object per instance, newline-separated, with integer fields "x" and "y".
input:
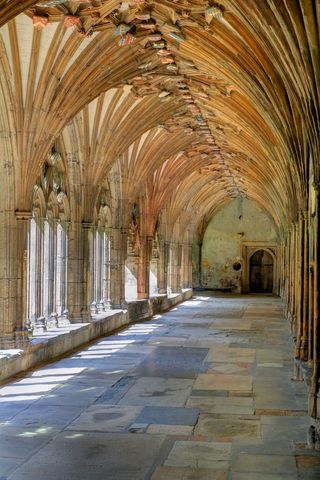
{"x": 261, "y": 272}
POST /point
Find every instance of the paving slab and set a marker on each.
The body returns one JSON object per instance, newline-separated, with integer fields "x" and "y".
{"x": 266, "y": 464}
{"x": 173, "y": 362}
{"x": 226, "y": 429}
{"x": 174, "y": 473}
{"x": 169, "y": 415}
{"x": 207, "y": 381}
{"x": 158, "y": 391}
{"x": 208, "y": 455}
{"x": 105, "y": 418}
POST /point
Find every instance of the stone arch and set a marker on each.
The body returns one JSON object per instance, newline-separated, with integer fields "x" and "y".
{"x": 248, "y": 250}
{"x": 261, "y": 264}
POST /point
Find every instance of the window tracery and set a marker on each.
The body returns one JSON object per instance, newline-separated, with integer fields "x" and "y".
{"x": 100, "y": 251}
{"x": 47, "y": 249}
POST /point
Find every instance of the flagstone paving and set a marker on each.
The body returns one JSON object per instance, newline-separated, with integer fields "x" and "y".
{"x": 203, "y": 392}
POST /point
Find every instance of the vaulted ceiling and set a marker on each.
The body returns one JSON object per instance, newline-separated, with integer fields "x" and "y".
{"x": 195, "y": 102}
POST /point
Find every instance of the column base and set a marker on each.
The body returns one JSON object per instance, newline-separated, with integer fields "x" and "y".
{"x": 119, "y": 305}
{"x": 304, "y": 350}
{"x": 162, "y": 291}
{"x": 142, "y": 296}
{"x": 16, "y": 340}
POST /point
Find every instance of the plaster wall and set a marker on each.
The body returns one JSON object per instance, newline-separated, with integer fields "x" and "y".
{"x": 239, "y": 221}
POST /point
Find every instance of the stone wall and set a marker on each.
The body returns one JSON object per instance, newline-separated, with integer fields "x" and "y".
{"x": 56, "y": 342}
{"x": 238, "y": 222}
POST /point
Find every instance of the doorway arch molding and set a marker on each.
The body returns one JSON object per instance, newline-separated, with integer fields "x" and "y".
{"x": 248, "y": 250}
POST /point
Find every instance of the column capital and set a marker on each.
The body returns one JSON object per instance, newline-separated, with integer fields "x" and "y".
{"x": 23, "y": 215}
{"x": 87, "y": 225}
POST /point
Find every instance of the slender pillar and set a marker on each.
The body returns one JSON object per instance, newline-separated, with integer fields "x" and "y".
{"x": 106, "y": 270}
{"x": 61, "y": 274}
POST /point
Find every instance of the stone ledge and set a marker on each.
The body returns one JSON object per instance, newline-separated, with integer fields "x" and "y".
{"x": 59, "y": 341}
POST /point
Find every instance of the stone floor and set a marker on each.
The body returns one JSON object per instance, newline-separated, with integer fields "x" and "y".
{"x": 202, "y": 392}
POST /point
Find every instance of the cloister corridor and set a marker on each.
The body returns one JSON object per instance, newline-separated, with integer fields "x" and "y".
{"x": 202, "y": 392}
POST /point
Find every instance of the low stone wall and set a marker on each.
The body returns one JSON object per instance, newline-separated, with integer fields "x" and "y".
{"x": 59, "y": 341}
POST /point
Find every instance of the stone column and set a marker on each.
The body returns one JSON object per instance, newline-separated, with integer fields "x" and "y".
{"x": 189, "y": 266}
{"x": 176, "y": 268}
{"x": 143, "y": 277}
{"x": 304, "y": 288}
{"x": 13, "y": 241}
{"x": 314, "y": 394}
{"x": 163, "y": 267}
{"x": 23, "y": 228}
{"x": 89, "y": 266}
{"x": 78, "y": 279}
{"x": 200, "y": 264}
{"x": 294, "y": 275}
{"x": 118, "y": 252}
{"x": 297, "y": 291}
{"x": 186, "y": 270}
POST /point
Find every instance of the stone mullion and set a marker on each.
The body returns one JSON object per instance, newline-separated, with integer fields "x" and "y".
{"x": 63, "y": 279}
{"x": 39, "y": 269}
{"x": 45, "y": 272}
{"x": 100, "y": 268}
{"x": 61, "y": 270}
{"x": 58, "y": 273}
{"x": 96, "y": 269}
{"x": 91, "y": 267}
{"x": 52, "y": 315}
{"x": 64, "y": 286}
{"x": 106, "y": 270}
{"x": 53, "y": 272}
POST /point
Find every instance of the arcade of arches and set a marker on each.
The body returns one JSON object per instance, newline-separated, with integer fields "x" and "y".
{"x": 148, "y": 147}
